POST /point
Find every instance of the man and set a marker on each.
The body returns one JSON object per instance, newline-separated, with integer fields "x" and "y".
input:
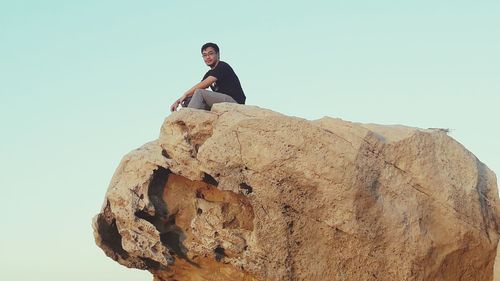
{"x": 222, "y": 80}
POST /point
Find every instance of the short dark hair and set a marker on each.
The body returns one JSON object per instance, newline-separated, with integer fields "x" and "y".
{"x": 213, "y": 45}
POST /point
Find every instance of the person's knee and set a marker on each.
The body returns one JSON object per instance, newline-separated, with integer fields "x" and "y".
{"x": 198, "y": 92}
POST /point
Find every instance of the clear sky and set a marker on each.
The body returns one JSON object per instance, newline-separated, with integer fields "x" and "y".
{"x": 82, "y": 83}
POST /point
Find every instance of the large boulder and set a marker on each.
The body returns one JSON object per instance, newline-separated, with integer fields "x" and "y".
{"x": 244, "y": 193}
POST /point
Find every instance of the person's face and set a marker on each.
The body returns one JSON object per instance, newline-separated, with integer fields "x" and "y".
{"x": 210, "y": 56}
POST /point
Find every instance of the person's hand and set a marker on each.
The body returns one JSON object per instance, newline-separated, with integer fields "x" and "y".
{"x": 174, "y": 106}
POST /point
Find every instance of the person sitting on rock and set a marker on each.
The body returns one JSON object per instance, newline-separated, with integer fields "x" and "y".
{"x": 222, "y": 80}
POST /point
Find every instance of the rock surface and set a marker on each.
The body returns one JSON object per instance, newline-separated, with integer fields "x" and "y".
{"x": 244, "y": 193}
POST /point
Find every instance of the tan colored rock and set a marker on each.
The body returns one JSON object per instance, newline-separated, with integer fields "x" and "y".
{"x": 244, "y": 193}
{"x": 496, "y": 273}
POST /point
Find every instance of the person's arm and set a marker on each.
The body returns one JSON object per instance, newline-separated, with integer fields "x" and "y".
{"x": 202, "y": 85}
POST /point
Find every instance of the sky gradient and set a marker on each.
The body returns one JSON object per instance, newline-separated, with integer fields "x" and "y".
{"x": 84, "y": 83}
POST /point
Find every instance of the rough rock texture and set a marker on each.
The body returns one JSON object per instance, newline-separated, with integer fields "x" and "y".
{"x": 496, "y": 274}
{"x": 244, "y": 193}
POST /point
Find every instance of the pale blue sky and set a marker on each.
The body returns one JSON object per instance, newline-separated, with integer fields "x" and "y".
{"x": 83, "y": 83}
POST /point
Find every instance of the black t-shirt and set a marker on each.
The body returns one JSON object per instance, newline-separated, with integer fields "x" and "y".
{"x": 227, "y": 82}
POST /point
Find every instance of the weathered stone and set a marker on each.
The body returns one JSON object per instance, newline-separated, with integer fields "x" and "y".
{"x": 244, "y": 193}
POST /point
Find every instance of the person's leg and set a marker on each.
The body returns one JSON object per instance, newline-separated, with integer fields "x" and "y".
{"x": 204, "y": 99}
{"x": 213, "y": 97}
{"x": 197, "y": 100}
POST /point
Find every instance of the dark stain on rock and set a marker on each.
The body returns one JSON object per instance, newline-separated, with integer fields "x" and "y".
{"x": 151, "y": 264}
{"x": 210, "y": 180}
{"x": 108, "y": 231}
{"x": 171, "y": 235}
{"x": 487, "y": 212}
{"x": 246, "y": 189}
{"x": 173, "y": 240}
{"x": 155, "y": 191}
{"x": 165, "y": 154}
{"x": 199, "y": 194}
{"x": 374, "y": 189}
{"x": 219, "y": 253}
